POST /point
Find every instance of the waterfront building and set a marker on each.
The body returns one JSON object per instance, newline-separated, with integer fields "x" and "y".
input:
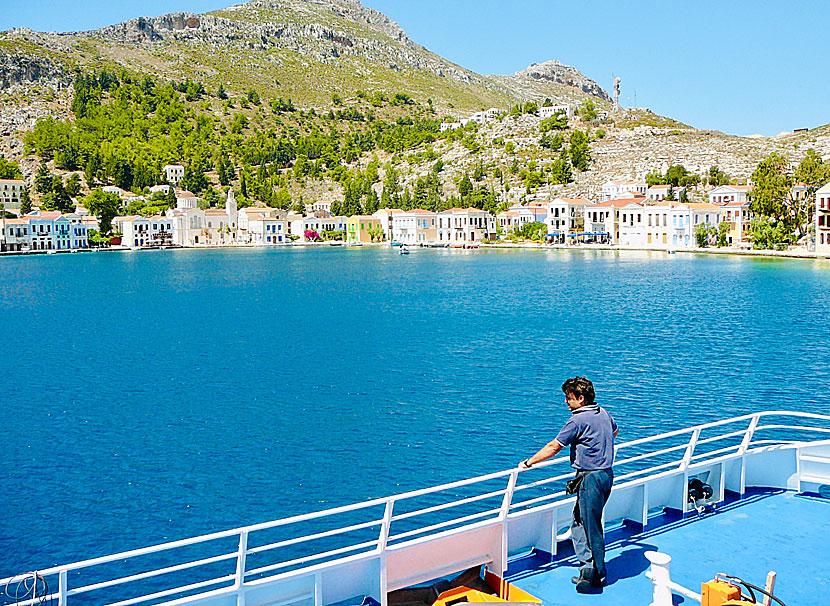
{"x": 11, "y": 192}
{"x": 823, "y": 220}
{"x": 465, "y": 226}
{"x": 15, "y": 235}
{"x": 246, "y": 216}
{"x": 137, "y": 231}
{"x": 265, "y": 230}
{"x": 42, "y": 229}
{"x": 318, "y": 224}
{"x": 295, "y": 224}
{"x": 729, "y": 193}
{"x": 414, "y": 227}
{"x": 630, "y": 224}
{"x": 358, "y": 228}
{"x": 603, "y": 217}
{"x": 565, "y": 216}
{"x": 658, "y": 193}
{"x": 188, "y": 225}
{"x": 173, "y": 173}
{"x": 385, "y": 215}
{"x": 619, "y": 190}
{"x": 739, "y": 217}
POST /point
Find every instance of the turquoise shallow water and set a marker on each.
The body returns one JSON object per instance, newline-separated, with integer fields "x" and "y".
{"x": 150, "y": 396}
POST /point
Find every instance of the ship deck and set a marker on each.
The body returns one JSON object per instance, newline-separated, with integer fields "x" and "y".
{"x": 766, "y": 530}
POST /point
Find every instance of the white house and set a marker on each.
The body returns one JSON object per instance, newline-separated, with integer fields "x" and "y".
{"x": 493, "y": 113}
{"x": 603, "y": 217}
{"x": 319, "y": 205}
{"x": 15, "y": 235}
{"x": 823, "y": 220}
{"x": 164, "y": 188}
{"x": 658, "y": 193}
{"x": 464, "y": 226}
{"x": 449, "y": 126}
{"x": 480, "y": 117}
{"x": 566, "y": 216}
{"x": 729, "y": 193}
{"x": 173, "y": 173}
{"x": 188, "y": 225}
{"x": 552, "y": 110}
{"x": 267, "y": 231}
{"x": 404, "y": 229}
{"x": 385, "y": 215}
{"x": 618, "y": 190}
{"x": 144, "y": 231}
{"x": 630, "y": 228}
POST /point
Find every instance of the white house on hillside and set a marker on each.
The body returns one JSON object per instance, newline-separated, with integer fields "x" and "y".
{"x": 173, "y": 173}
{"x": 618, "y": 190}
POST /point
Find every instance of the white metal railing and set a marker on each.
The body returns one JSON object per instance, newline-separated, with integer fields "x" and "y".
{"x": 652, "y": 457}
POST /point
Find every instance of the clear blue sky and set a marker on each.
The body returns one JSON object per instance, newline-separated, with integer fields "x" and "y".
{"x": 737, "y": 66}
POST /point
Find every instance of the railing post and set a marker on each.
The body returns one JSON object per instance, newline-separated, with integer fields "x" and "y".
{"x": 690, "y": 449}
{"x": 750, "y": 431}
{"x": 383, "y": 538}
{"x": 660, "y": 577}
{"x": 240, "y": 567}
{"x": 501, "y": 563}
{"x": 62, "y": 587}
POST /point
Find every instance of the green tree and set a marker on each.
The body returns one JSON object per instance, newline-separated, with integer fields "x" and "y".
{"x": 73, "y": 185}
{"x": 9, "y": 170}
{"x": 105, "y": 206}
{"x": 588, "y": 111}
{"x": 772, "y": 187}
{"x": 465, "y": 186}
{"x": 390, "y": 197}
{"x": 723, "y": 233}
{"x": 221, "y": 92}
{"x": 43, "y": 179}
{"x": 558, "y": 121}
{"x": 702, "y": 233}
{"x": 580, "y": 151}
{"x": 716, "y": 176}
{"x": 25, "y": 202}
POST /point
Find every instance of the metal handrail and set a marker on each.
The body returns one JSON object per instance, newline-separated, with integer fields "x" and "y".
{"x": 380, "y": 544}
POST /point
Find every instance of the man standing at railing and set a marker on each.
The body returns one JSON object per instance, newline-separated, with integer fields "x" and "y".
{"x": 590, "y": 433}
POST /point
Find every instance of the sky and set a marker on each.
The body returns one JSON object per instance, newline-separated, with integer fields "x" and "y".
{"x": 737, "y": 66}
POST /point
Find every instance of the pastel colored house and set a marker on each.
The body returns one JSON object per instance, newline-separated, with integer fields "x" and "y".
{"x": 15, "y": 235}
{"x": 363, "y": 229}
{"x": 464, "y": 226}
{"x": 739, "y": 217}
{"x": 385, "y": 215}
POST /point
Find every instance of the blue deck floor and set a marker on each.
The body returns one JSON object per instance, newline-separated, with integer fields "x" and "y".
{"x": 766, "y": 530}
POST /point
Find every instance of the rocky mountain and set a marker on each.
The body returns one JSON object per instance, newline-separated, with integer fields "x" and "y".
{"x": 303, "y": 49}
{"x": 555, "y": 71}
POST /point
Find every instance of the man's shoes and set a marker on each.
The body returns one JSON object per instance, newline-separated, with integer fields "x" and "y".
{"x": 584, "y": 581}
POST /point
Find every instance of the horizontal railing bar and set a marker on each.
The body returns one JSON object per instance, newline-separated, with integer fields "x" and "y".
{"x": 468, "y": 500}
{"x": 417, "y": 531}
{"x": 702, "y": 455}
{"x": 648, "y": 455}
{"x": 639, "y": 472}
{"x": 311, "y": 558}
{"x": 312, "y": 537}
{"x": 167, "y": 592}
{"x": 151, "y": 573}
{"x": 792, "y": 427}
{"x": 732, "y": 434}
{"x": 541, "y": 499}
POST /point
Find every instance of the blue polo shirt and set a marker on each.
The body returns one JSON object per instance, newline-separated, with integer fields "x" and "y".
{"x": 590, "y": 434}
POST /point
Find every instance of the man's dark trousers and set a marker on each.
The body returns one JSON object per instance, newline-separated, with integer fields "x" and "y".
{"x": 587, "y": 531}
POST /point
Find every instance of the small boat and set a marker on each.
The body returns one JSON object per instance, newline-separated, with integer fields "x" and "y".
{"x": 671, "y": 252}
{"x": 404, "y": 250}
{"x": 397, "y": 243}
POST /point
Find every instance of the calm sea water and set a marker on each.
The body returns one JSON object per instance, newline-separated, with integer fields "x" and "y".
{"x": 150, "y": 396}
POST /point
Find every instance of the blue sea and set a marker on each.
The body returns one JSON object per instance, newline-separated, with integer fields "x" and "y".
{"x": 150, "y": 396}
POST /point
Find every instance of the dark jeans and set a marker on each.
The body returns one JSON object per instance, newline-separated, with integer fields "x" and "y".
{"x": 586, "y": 530}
